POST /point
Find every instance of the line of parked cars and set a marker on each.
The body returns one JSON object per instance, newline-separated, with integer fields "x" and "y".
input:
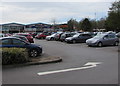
{"x": 25, "y": 40}
{"x": 90, "y": 38}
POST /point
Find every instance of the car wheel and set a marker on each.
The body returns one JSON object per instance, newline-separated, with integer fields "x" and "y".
{"x": 100, "y": 44}
{"x": 52, "y": 39}
{"x": 73, "y": 41}
{"x": 89, "y": 46}
{"x": 116, "y": 43}
{"x": 33, "y": 53}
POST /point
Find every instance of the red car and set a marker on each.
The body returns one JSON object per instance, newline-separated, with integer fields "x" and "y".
{"x": 41, "y": 35}
{"x": 28, "y": 36}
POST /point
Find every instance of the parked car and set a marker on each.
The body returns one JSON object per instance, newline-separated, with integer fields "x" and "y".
{"x": 42, "y": 35}
{"x": 21, "y": 37}
{"x": 58, "y": 35}
{"x": 33, "y": 34}
{"x": 118, "y": 34}
{"x": 2, "y": 35}
{"x": 66, "y": 35}
{"x": 9, "y": 42}
{"x": 7, "y": 34}
{"x": 78, "y": 38}
{"x": 28, "y": 36}
{"x": 51, "y": 37}
{"x": 103, "y": 39}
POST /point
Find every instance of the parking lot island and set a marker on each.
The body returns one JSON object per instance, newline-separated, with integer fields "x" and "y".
{"x": 43, "y": 59}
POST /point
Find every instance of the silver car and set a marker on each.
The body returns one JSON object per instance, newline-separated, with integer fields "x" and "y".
{"x": 51, "y": 37}
{"x": 103, "y": 39}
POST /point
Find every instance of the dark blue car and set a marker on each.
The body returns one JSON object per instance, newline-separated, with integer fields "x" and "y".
{"x": 9, "y": 42}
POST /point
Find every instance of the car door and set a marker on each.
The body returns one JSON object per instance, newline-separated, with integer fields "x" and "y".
{"x": 85, "y": 37}
{"x": 18, "y": 43}
{"x": 111, "y": 39}
{"x": 80, "y": 38}
{"x": 106, "y": 40}
{"x": 77, "y": 39}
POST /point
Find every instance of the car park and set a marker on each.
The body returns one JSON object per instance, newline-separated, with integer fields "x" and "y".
{"x": 100, "y": 40}
{"x": 28, "y": 36}
{"x": 78, "y": 38}
{"x": 10, "y": 42}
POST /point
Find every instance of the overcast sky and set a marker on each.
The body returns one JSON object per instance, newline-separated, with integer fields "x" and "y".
{"x": 45, "y": 12}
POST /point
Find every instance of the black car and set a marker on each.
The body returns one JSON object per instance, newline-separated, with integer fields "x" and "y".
{"x": 78, "y": 38}
{"x": 9, "y": 42}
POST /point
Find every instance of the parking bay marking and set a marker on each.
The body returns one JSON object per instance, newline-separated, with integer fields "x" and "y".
{"x": 85, "y": 66}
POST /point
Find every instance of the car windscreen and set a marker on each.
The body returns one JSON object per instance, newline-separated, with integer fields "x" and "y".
{"x": 53, "y": 34}
{"x": 76, "y": 35}
{"x": 99, "y": 36}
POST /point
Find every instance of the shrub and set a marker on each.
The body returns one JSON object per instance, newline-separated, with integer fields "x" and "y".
{"x": 14, "y": 55}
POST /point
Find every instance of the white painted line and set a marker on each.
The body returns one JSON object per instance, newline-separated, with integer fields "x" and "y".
{"x": 86, "y": 66}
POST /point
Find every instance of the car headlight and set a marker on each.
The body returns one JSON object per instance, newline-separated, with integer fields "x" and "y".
{"x": 68, "y": 39}
{"x": 94, "y": 41}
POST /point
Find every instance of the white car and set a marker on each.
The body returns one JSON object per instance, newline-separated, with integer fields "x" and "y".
{"x": 2, "y": 35}
{"x": 51, "y": 37}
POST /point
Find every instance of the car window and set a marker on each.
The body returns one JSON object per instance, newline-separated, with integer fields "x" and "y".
{"x": 111, "y": 36}
{"x": 106, "y": 37}
{"x": 23, "y": 38}
{"x": 18, "y": 42}
{"x": 86, "y": 35}
{"x": 5, "y": 42}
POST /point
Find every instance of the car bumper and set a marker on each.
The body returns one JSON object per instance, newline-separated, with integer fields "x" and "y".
{"x": 92, "y": 44}
{"x": 68, "y": 41}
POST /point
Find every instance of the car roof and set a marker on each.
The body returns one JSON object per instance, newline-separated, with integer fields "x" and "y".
{"x": 9, "y": 38}
{"x": 18, "y": 36}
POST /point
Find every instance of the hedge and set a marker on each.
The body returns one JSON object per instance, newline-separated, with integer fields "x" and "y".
{"x": 14, "y": 55}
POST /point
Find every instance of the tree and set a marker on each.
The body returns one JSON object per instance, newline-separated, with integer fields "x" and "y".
{"x": 113, "y": 19}
{"x": 101, "y": 23}
{"x": 72, "y": 25}
{"x": 93, "y": 24}
{"x": 86, "y": 25}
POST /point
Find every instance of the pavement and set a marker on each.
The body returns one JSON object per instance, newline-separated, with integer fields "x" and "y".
{"x": 42, "y": 59}
{"x": 75, "y": 56}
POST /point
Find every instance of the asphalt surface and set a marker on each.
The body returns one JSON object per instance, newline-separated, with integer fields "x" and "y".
{"x": 74, "y": 56}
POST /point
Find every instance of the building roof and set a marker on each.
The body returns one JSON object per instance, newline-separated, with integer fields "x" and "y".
{"x": 13, "y": 24}
{"x": 38, "y": 24}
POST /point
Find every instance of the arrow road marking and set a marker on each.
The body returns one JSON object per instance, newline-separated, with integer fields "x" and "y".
{"x": 85, "y": 66}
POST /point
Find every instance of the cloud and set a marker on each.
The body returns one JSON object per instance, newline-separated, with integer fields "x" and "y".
{"x": 29, "y": 12}
{"x": 57, "y": 0}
